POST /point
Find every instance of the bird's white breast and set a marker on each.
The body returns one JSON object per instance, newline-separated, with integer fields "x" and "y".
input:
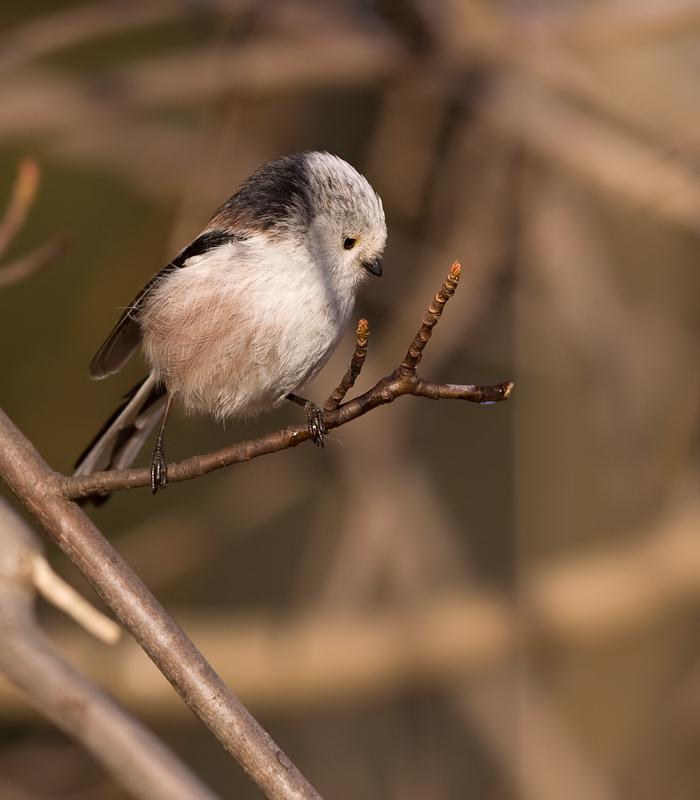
{"x": 241, "y": 326}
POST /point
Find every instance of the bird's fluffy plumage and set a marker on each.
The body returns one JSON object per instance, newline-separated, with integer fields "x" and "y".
{"x": 254, "y": 307}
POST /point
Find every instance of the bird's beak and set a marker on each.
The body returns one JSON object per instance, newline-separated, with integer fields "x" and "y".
{"x": 375, "y": 267}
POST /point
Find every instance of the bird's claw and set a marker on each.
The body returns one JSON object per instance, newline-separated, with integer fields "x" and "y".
{"x": 316, "y": 425}
{"x": 159, "y": 469}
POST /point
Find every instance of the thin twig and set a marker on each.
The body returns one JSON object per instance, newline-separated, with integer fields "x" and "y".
{"x": 415, "y": 351}
{"x": 356, "y": 364}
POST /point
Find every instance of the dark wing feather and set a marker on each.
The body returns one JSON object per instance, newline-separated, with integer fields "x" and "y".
{"x": 125, "y": 337}
{"x": 124, "y": 423}
{"x": 119, "y": 442}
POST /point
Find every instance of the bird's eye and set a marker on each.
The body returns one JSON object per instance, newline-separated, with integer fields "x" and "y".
{"x": 349, "y": 243}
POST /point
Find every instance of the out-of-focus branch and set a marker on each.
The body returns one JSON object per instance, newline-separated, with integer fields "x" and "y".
{"x": 625, "y": 165}
{"x": 63, "y": 596}
{"x": 482, "y": 33}
{"x": 403, "y": 381}
{"x": 295, "y": 48}
{"x": 22, "y": 268}
{"x": 540, "y": 754}
{"x": 576, "y": 602}
{"x": 134, "y": 756}
{"x": 72, "y": 26}
{"x": 612, "y": 26}
{"x": 21, "y": 201}
{"x": 320, "y": 657}
{"x": 37, "y": 487}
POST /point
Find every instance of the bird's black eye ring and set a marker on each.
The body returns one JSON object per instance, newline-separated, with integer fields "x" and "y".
{"x": 349, "y": 242}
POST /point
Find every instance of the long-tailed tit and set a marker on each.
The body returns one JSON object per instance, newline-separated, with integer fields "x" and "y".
{"x": 249, "y": 312}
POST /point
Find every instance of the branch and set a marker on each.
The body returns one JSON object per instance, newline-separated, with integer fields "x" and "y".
{"x": 37, "y": 487}
{"x": 21, "y": 201}
{"x": 358, "y": 361}
{"x": 72, "y": 26}
{"x": 56, "y": 591}
{"x": 404, "y": 380}
{"x": 47, "y": 496}
{"x": 131, "y": 753}
{"x": 22, "y": 268}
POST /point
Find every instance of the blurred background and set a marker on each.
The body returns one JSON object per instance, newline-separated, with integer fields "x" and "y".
{"x": 449, "y": 601}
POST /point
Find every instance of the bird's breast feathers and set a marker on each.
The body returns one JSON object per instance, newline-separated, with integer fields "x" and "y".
{"x": 266, "y": 337}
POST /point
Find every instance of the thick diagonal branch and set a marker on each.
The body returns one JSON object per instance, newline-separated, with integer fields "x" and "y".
{"x": 36, "y": 486}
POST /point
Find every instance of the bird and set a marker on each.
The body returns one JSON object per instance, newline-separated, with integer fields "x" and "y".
{"x": 247, "y": 314}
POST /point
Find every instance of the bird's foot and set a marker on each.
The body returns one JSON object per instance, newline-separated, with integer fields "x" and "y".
{"x": 316, "y": 425}
{"x": 159, "y": 469}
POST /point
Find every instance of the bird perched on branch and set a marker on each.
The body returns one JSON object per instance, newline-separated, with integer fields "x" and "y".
{"x": 248, "y": 313}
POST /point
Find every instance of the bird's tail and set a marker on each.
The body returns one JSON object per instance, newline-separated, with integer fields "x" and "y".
{"x": 125, "y": 433}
